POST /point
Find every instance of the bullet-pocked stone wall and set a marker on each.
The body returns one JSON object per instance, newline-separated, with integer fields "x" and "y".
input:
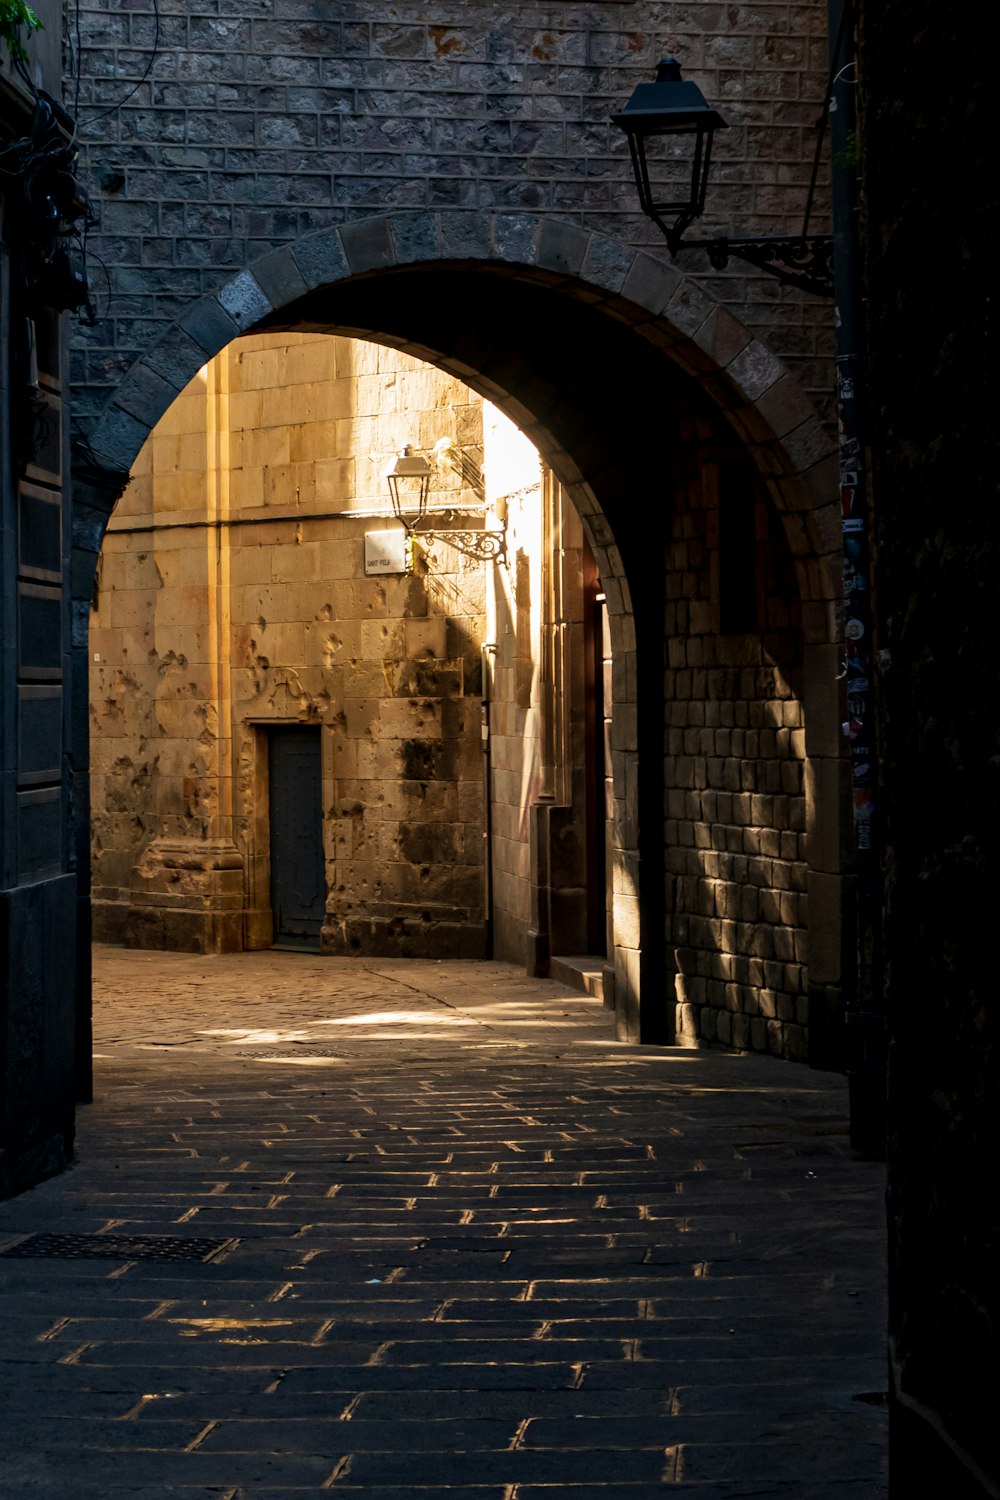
{"x": 233, "y": 598}
{"x": 226, "y": 129}
{"x": 735, "y": 832}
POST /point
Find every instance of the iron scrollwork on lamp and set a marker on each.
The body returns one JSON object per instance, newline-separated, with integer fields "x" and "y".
{"x": 409, "y": 482}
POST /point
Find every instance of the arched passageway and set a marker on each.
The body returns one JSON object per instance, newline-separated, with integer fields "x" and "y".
{"x": 702, "y": 478}
{"x": 315, "y": 728}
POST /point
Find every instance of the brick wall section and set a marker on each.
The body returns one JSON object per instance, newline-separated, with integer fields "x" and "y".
{"x": 735, "y": 810}
{"x": 259, "y": 123}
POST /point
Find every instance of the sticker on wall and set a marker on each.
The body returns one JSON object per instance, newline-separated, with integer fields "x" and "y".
{"x": 864, "y": 813}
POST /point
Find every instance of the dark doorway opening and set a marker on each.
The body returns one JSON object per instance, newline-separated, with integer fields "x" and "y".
{"x": 298, "y": 883}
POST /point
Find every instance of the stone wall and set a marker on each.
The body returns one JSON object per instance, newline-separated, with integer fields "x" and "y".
{"x": 453, "y": 184}
{"x": 736, "y": 859}
{"x": 456, "y": 187}
{"x": 226, "y": 130}
{"x": 540, "y": 817}
{"x": 232, "y": 597}
{"x": 517, "y": 773}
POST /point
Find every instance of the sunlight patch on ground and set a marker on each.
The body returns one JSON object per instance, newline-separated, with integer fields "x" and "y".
{"x": 251, "y": 1034}
{"x": 306, "y": 1060}
{"x": 399, "y": 1018}
{"x": 227, "y": 1325}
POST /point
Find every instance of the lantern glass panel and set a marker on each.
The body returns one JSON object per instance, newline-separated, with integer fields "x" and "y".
{"x": 409, "y": 482}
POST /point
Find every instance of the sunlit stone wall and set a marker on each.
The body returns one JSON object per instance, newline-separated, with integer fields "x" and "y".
{"x": 233, "y": 597}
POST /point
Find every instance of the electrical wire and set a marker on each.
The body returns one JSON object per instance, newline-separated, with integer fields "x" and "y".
{"x": 90, "y": 317}
{"x": 78, "y": 61}
{"x": 836, "y": 72}
{"x": 111, "y": 108}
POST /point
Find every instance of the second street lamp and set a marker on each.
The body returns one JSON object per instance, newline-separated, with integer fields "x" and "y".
{"x": 671, "y": 107}
{"x": 675, "y": 109}
{"x": 409, "y": 484}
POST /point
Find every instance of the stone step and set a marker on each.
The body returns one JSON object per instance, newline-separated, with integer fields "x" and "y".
{"x": 590, "y": 975}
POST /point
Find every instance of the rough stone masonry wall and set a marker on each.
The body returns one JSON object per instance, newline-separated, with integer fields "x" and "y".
{"x": 517, "y": 771}
{"x": 260, "y": 122}
{"x": 735, "y": 748}
{"x": 232, "y": 597}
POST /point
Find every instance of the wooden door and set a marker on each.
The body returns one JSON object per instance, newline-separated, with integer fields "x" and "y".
{"x": 298, "y": 883}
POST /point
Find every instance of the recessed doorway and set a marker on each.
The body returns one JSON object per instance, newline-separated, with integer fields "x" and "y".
{"x": 295, "y": 790}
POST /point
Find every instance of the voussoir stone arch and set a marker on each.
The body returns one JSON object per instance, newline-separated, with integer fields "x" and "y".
{"x": 765, "y": 405}
{"x": 378, "y": 278}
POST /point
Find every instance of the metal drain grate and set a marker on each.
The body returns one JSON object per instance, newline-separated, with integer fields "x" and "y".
{"x": 115, "y": 1247}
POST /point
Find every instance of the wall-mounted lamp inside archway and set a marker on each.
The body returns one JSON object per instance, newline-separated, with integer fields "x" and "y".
{"x": 674, "y": 112}
{"x": 409, "y": 482}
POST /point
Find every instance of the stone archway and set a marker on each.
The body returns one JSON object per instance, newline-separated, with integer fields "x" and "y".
{"x": 459, "y": 290}
{"x": 740, "y": 375}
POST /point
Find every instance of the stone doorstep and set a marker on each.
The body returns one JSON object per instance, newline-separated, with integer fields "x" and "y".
{"x": 591, "y": 976}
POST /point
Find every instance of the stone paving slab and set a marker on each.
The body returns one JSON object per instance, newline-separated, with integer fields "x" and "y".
{"x": 474, "y": 1248}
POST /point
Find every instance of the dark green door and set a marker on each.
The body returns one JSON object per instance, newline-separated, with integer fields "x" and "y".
{"x": 298, "y": 885}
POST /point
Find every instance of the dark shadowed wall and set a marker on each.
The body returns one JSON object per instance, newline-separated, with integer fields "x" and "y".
{"x": 928, "y": 111}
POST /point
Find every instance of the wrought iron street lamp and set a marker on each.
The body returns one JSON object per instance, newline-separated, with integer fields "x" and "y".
{"x": 409, "y": 482}
{"x": 674, "y": 110}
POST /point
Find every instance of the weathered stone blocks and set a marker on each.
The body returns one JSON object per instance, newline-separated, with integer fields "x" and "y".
{"x": 277, "y": 617}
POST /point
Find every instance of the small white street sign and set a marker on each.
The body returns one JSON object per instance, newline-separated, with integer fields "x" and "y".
{"x": 387, "y": 551}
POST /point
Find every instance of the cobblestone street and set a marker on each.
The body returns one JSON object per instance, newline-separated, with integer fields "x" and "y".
{"x": 462, "y": 1243}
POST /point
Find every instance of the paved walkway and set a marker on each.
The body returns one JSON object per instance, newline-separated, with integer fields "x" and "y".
{"x": 470, "y": 1246}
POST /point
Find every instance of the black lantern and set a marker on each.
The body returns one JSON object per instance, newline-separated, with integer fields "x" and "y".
{"x": 671, "y": 107}
{"x": 409, "y": 482}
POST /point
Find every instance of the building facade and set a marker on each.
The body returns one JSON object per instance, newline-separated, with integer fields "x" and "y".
{"x": 452, "y": 188}
{"x": 41, "y": 210}
{"x": 455, "y": 190}
{"x": 290, "y": 690}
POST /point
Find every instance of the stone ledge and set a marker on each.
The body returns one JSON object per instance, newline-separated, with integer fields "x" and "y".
{"x": 591, "y": 976}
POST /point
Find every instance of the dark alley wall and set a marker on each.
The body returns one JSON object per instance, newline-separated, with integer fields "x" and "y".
{"x": 933, "y": 435}
{"x": 38, "y": 897}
